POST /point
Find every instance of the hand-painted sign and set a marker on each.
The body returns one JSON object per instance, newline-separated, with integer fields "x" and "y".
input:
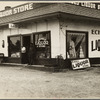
{"x": 95, "y": 32}
{"x": 94, "y": 43}
{"x": 81, "y": 63}
{"x": 42, "y": 42}
{"x": 87, "y": 4}
{"x": 11, "y": 25}
{"x": 16, "y": 10}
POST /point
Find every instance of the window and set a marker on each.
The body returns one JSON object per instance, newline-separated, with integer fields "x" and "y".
{"x": 14, "y": 46}
{"x": 76, "y": 45}
{"x": 42, "y": 44}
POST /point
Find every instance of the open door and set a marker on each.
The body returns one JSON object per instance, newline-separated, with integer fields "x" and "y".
{"x": 26, "y": 40}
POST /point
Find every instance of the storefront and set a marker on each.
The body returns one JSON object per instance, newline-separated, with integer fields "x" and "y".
{"x": 40, "y": 40}
{"x": 56, "y": 30}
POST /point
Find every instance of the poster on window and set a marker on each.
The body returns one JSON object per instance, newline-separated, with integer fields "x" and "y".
{"x": 42, "y": 42}
{"x": 94, "y": 43}
{"x": 81, "y": 63}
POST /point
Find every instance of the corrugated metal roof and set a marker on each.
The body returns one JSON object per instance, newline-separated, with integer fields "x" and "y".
{"x": 47, "y": 9}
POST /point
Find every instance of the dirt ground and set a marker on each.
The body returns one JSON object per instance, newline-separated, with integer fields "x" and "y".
{"x": 24, "y": 83}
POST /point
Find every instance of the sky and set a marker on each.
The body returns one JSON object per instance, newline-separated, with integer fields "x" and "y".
{"x": 10, "y": 3}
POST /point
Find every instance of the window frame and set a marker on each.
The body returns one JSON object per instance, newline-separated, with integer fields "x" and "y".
{"x": 74, "y": 31}
{"x": 9, "y": 46}
{"x": 37, "y": 33}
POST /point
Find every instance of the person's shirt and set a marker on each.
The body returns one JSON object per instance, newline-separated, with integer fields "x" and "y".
{"x": 23, "y": 50}
{"x": 31, "y": 51}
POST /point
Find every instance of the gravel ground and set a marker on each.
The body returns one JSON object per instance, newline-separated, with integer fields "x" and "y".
{"x": 24, "y": 83}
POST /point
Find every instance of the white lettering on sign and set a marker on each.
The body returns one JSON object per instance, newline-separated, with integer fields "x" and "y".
{"x": 16, "y": 10}
{"x": 89, "y": 5}
{"x": 23, "y": 8}
{"x": 85, "y": 4}
{"x": 6, "y": 13}
{"x": 42, "y": 42}
{"x": 81, "y": 63}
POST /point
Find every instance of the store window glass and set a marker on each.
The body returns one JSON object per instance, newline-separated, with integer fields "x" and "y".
{"x": 42, "y": 44}
{"x": 14, "y": 46}
{"x": 76, "y": 45}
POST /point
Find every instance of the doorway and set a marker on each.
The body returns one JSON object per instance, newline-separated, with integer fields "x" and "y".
{"x": 26, "y": 40}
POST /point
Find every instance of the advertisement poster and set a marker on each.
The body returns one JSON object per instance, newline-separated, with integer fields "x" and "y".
{"x": 94, "y": 43}
{"x": 81, "y": 63}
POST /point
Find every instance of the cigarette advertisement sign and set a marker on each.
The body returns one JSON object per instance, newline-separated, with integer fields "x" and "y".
{"x": 80, "y": 63}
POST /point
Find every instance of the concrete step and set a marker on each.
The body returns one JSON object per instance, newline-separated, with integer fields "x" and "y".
{"x": 16, "y": 64}
{"x": 35, "y": 67}
{"x": 95, "y": 65}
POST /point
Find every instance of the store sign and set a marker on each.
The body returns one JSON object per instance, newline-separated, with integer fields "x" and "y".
{"x": 11, "y": 25}
{"x": 87, "y": 4}
{"x": 81, "y": 63}
{"x": 42, "y": 42}
{"x": 95, "y": 32}
{"x": 16, "y": 10}
{"x": 94, "y": 43}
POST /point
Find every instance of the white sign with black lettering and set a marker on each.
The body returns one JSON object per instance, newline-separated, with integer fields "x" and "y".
{"x": 81, "y": 63}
